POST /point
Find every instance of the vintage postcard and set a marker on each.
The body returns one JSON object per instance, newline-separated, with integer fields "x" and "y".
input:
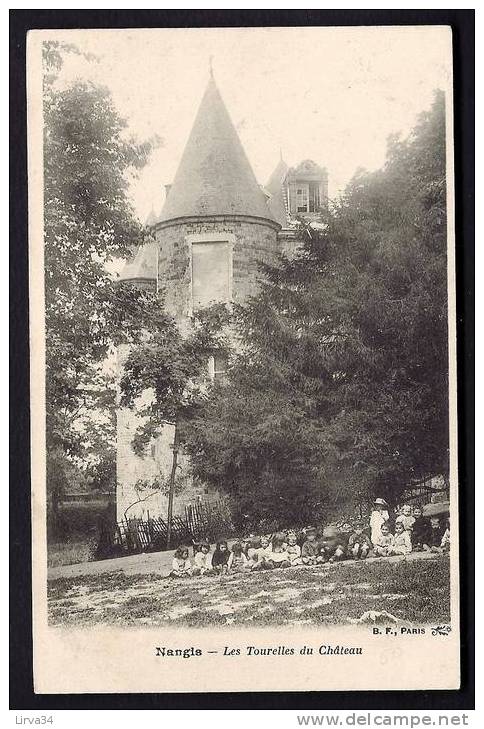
{"x": 243, "y": 360}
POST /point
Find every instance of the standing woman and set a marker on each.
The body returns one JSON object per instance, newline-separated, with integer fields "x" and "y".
{"x": 378, "y": 517}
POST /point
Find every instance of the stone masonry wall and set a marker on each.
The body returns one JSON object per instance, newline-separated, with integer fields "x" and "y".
{"x": 155, "y": 464}
{"x": 253, "y": 242}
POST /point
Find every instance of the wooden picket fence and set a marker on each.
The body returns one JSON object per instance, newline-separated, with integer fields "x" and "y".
{"x": 208, "y": 520}
{"x": 134, "y": 536}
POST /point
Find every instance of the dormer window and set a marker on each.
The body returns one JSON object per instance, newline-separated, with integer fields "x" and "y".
{"x": 308, "y": 199}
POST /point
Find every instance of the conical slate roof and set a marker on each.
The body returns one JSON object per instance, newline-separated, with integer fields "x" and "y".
{"x": 278, "y": 176}
{"x": 277, "y": 202}
{"x": 151, "y": 219}
{"x": 143, "y": 265}
{"x": 214, "y": 176}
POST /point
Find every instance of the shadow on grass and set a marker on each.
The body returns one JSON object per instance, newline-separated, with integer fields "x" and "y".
{"x": 413, "y": 591}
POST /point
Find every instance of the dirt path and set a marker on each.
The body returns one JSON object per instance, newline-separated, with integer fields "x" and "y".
{"x": 135, "y": 564}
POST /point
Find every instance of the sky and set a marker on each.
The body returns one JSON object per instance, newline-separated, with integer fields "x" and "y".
{"x": 329, "y": 94}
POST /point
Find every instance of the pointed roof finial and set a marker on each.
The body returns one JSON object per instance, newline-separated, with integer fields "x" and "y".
{"x": 152, "y": 218}
{"x": 214, "y": 176}
{"x": 210, "y": 65}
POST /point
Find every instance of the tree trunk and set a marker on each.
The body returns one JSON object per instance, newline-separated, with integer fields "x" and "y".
{"x": 55, "y": 521}
{"x": 171, "y": 491}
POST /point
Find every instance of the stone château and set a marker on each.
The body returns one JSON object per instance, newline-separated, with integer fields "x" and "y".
{"x": 216, "y": 225}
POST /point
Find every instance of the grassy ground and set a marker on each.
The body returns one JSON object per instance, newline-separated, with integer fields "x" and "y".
{"x": 74, "y": 551}
{"x": 416, "y": 592}
{"x": 74, "y": 539}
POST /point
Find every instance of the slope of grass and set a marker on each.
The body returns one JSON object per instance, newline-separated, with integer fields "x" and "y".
{"x": 414, "y": 592}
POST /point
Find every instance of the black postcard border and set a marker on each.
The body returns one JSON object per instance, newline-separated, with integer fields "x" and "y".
{"x": 21, "y": 672}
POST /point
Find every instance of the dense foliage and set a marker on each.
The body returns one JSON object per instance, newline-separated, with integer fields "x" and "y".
{"x": 169, "y": 367}
{"x": 339, "y": 387}
{"x": 89, "y": 222}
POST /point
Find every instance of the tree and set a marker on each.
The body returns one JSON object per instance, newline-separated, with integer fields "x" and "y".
{"x": 89, "y": 222}
{"x": 391, "y": 422}
{"x": 340, "y": 386}
{"x": 260, "y": 436}
{"x": 173, "y": 368}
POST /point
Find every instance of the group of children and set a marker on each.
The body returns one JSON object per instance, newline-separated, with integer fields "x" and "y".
{"x": 412, "y": 532}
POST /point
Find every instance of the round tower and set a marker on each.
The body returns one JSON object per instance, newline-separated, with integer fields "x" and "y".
{"x": 216, "y": 225}
{"x": 139, "y": 272}
{"x": 214, "y": 230}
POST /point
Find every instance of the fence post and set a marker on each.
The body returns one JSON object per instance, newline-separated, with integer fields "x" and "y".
{"x": 172, "y": 487}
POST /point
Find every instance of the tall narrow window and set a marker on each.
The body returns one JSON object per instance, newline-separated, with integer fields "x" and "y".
{"x": 302, "y": 199}
{"x": 217, "y": 367}
{"x": 211, "y": 272}
{"x": 314, "y": 201}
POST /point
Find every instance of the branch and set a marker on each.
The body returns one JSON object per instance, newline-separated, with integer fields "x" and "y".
{"x": 145, "y": 498}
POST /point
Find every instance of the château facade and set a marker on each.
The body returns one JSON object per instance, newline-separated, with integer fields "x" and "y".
{"x": 216, "y": 225}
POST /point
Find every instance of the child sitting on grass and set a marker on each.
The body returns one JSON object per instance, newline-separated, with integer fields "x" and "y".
{"x": 253, "y": 547}
{"x": 293, "y": 549}
{"x": 279, "y": 556}
{"x": 258, "y": 554}
{"x": 436, "y": 533}
{"x": 406, "y": 518}
{"x": 401, "y": 540}
{"x": 420, "y": 530}
{"x": 237, "y": 561}
{"x": 310, "y": 548}
{"x": 439, "y": 538}
{"x": 246, "y": 542}
{"x": 445, "y": 543}
{"x": 203, "y": 560}
{"x": 385, "y": 542}
{"x": 254, "y": 551}
{"x": 332, "y": 546}
{"x": 322, "y": 556}
{"x": 265, "y": 547}
{"x": 220, "y": 557}
{"x": 359, "y": 543}
{"x": 181, "y": 565}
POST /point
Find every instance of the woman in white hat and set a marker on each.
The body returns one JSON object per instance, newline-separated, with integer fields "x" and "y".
{"x": 378, "y": 517}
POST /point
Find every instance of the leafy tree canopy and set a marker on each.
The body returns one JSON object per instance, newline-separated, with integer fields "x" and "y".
{"x": 170, "y": 367}
{"x": 339, "y": 385}
{"x": 89, "y": 224}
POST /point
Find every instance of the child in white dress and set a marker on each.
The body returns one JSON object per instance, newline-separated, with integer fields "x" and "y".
{"x": 384, "y": 544}
{"x": 406, "y": 518}
{"x": 237, "y": 560}
{"x": 293, "y": 549}
{"x": 203, "y": 560}
{"x": 181, "y": 565}
{"x": 402, "y": 543}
